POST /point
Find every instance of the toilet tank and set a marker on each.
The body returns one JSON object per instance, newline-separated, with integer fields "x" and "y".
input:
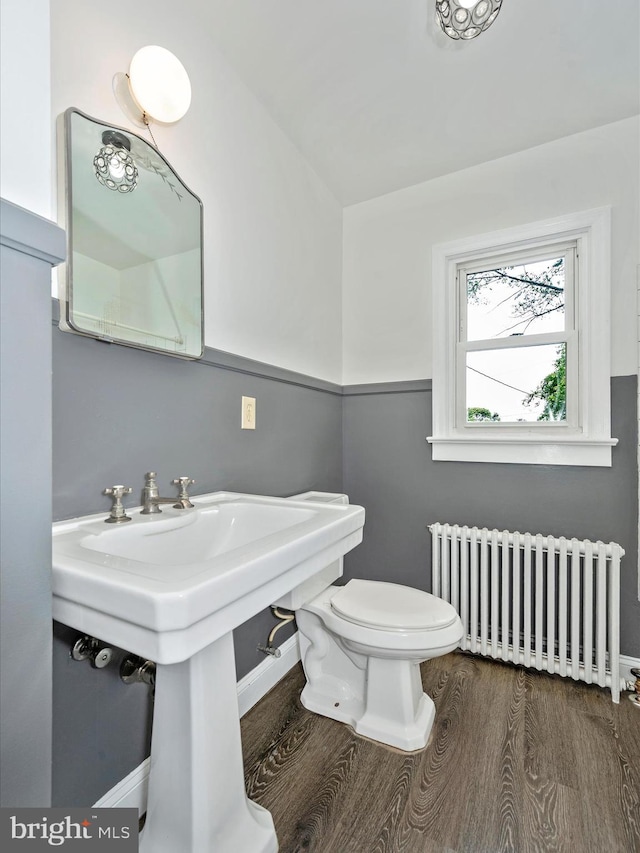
{"x": 304, "y": 592}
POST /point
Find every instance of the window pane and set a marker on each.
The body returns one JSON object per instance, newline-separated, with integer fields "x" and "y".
{"x": 527, "y": 299}
{"x": 518, "y": 384}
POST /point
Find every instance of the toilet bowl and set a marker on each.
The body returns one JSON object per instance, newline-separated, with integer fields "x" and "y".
{"x": 361, "y": 647}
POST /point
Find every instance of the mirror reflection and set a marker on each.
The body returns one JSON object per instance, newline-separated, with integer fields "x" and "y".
{"x": 134, "y": 269}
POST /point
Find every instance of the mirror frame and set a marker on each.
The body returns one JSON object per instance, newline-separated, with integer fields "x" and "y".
{"x": 65, "y": 215}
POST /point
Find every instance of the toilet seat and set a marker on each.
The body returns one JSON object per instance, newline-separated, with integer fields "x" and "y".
{"x": 391, "y": 607}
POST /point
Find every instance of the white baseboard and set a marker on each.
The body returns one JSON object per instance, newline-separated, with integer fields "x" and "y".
{"x": 131, "y": 792}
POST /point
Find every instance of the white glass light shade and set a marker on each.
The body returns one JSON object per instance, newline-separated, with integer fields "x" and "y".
{"x": 466, "y": 19}
{"x": 159, "y": 84}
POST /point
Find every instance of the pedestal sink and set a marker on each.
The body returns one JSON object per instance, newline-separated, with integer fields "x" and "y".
{"x": 171, "y": 588}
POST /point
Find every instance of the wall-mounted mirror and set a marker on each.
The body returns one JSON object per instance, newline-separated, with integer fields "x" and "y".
{"x": 134, "y": 230}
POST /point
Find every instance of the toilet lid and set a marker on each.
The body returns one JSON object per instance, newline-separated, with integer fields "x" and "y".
{"x": 392, "y": 607}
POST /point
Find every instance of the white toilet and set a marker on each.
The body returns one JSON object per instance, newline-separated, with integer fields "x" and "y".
{"x": 361, "y": 647}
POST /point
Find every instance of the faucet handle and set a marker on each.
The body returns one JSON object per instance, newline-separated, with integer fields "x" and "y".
{"x": 118, "y": 513}
{"x": 183, "y": 483}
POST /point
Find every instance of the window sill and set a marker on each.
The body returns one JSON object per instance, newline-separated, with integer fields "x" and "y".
{"x": 521, "y": 451}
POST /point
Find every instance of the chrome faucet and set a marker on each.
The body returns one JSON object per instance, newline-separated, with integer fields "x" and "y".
{"x": 151, "y": 499}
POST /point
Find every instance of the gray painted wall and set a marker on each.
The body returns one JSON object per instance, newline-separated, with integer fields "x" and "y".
{"x": 29, "y": 247}
{"x": 119, "y": 412}
{"x": 389, "y": 470}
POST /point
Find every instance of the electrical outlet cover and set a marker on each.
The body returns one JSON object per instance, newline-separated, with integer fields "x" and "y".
{"x": 248, "y": 413}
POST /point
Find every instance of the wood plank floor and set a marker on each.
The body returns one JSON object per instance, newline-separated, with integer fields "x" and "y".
{"x": 518, "y": 761}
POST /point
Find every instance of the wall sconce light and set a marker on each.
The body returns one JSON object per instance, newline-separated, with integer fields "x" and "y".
{"x": 113, "y": 164}
{"x": 159, "y": 85}
{"x": 466, "y": 19}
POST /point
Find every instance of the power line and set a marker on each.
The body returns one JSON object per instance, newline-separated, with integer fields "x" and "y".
{"x": 493, "y": 379}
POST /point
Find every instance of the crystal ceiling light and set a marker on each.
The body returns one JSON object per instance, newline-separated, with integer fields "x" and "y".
{"x": 466, "y": 19}
{"x": 113, "y": 164}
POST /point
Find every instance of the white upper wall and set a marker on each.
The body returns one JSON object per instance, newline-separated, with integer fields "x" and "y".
{"x": 273, "y": 232}
{"x": 25, "y": 130}
{"x": 388, "y": 240}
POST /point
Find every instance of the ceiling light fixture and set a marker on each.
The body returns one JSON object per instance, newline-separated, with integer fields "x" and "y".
{"x": 466, "y": 19}
{"x": 113, "y": 164}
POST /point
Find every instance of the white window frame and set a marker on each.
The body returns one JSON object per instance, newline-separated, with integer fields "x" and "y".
{"x": 585, "y": 438}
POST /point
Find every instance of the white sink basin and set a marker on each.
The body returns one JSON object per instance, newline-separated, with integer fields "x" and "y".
{"x": 185, "y": 541}
{"x": 165, "y": 586}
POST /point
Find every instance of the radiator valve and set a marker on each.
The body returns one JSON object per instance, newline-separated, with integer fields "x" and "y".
{"x": 635, "y": 686}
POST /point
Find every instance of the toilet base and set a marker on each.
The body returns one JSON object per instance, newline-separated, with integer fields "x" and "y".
{"x": 408, "y": 738}
{"x": 396, "y": 704}
{"x": 379, "y": 697}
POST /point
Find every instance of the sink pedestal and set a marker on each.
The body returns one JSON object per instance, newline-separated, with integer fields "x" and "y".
{"x": 197, "y": 801}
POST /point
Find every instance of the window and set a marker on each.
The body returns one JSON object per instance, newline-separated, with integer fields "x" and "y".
{"x": 516, "y": 333}
{"x": 521, "y": 344}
